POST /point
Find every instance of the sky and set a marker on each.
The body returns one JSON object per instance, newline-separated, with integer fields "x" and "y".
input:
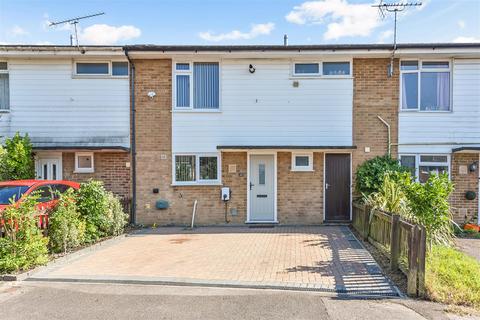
{"x": 236, "y": 22}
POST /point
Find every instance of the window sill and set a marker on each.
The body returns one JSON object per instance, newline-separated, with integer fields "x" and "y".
{"x": 84, "y": 171}
{"x": 195, "y": 184}
{"x": 304, "y": 77}
{"x": 98, "y": 76}
{"x": 190, "y": 110}
{"x": 426, "y": 111}
{"x": 302, "y": 170}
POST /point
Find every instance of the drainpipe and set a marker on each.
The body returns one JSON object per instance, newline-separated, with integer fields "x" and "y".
{"x": 389, "y": 135}
{"x": 133, "y": 140}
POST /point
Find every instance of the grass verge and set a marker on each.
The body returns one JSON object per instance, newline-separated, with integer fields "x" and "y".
{"x": 452, "y": 277}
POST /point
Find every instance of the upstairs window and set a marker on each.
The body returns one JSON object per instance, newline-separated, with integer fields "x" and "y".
{"x": 336, "y": 68}
{"x": 119, "y": 69}
{"x": 425, "y": 85}
{"x": 92, "y": 68}
{"x": 4, "y": 87}
{"x": 326, "y": 68}
{"x": 197, "y": 85}
{"x": 306, "y": 69}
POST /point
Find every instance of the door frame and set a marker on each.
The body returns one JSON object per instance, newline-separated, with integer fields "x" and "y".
{"x": 324, "y": 181}
{"x": 49, "y": 156}
{"x": 270, "y": 153}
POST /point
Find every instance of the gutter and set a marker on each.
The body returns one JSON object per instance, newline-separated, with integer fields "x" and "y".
{"x": 133, "y": 213}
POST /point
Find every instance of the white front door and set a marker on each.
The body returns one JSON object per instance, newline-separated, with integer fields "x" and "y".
{"x": 49, "y": 169}
{"x": 262, "y": 188}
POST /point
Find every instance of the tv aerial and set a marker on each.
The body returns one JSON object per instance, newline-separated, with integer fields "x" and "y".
{"x": 395, "y": 8}
{"x": 74, "y": 22}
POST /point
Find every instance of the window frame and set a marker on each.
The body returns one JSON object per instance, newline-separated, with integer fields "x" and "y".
{"x": 84, "y": 170}
{"x": 7, "y": 72}
{"x": 320, "y": 69}
{"x": 96, "y": 75}
{"x": 418, "y": 163}
{"x": 294, "y": 166}
{"x": 189, "y": 73}
{"x": 419, "y": 80}
{"x": 320, "y": 74}
{"x": 197, "y": 180}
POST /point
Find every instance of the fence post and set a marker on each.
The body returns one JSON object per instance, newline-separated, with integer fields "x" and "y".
{"x": 395, "y": 242}
{"x": 422, "y": 250}
{"x": 366, "y": 222}
{"x": 412, "y": 276}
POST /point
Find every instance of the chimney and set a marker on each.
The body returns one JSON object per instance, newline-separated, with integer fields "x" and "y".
{"x": 285, "y": 40}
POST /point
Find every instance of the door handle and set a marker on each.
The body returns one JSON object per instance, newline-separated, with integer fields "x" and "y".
{"x": 326, "y": 186}
{"x": 251, "y": 185}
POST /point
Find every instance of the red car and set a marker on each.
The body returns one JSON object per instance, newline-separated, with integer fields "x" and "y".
{"x": 46, "y": 188}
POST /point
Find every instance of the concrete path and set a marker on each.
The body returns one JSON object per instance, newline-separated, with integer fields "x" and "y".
{"x": 469, "y": 246}
{"x": 326, "y": 258}
{"x": 47, "y": 300}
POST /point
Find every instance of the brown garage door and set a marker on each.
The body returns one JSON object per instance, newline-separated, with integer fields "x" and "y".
{"x": 337, "y": 187}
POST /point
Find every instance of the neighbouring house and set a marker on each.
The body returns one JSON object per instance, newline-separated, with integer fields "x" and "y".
{"x": 284, "y": 127}
{"x": 74, "y": 103}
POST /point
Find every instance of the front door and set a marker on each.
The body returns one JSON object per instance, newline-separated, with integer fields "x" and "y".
{"x": 49, "y": 169}
{"x": 262, "y": 196}
{"x": 337, "y": 187}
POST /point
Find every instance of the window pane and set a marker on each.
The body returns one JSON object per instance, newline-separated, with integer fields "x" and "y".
{"x": 92, "y": 68}
{"x": 336, "y": 68}
{"x": 54, "y": 172}
{"x": 3, "y": 66}
{"x": 183, "y": 91}
{"x": 435, "y": 65}
{"x": 434, "y": 159}
{"x": 301, "y": 161}
{"x": 435, "y": 91}
{"x": 409, "y": 91}
{"x": 408, "y": 162}
{"x": 409, "y": 65}
{"x": 208, "y": 168}
{"x": 44, "y": 193}
{"x": 261, "y": 174}
{"x": 206, "y": 85}
{"x": 307, "y": 68}
{"x": 9, "y": 192}
{"x": 120, "y": 68}
{"x": 183, "y": 66}
{"x": 184, "y": 168}
{"x": 84, "y": 162}
{"x": 426, "y": 171}
{"x": 4, "y": 92}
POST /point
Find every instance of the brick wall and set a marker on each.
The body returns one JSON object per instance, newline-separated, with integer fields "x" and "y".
{"x": 464, "y": 210}
{"x": 374, "y": 94}
{"x": 110, "y": 167}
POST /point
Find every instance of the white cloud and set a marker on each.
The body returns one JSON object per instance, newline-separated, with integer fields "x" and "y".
{"x": 18, "y": 31}
{"x": 106, "y": 34}
{"x": 461, "y": 24}
{"x": 255, "y": 31}
{"x": 466, "y": 39}
{"x": 385, "y": 35}
{"x": 343, "y": 18}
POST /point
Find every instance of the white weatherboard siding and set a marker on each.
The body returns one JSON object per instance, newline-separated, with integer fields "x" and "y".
{"x": 58, "y": 110}
{"x": 439, "y": 132}
{"x": 265, "y": 109}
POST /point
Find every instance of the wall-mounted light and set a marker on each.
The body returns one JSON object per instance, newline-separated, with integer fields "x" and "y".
{"x": 251, "y": 69}
{"x": 473, "y": 166}
{"x": 151, "y": 94}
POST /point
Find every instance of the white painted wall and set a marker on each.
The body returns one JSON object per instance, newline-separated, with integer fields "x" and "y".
{"x": 440, "y": 132}
{"x": 56, "y": 109}
{"x": 265, "y": 109}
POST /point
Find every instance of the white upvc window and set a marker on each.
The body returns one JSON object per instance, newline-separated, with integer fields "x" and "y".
{"x": 302, "y": 161}
{"x": 321, "y": 69}
{"x": 114, "y": 69}
{"x": 425, "y": 85}
{"x": 423, "y": 165}
{"x": 196, "y": 86}
{"x": 84, "y": 162}
{"x": 4, "y": 87}
{"x": 192, "y": 169}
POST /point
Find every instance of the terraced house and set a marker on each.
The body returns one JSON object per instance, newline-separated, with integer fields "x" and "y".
{"x": 74, "y": 104}
{"x": 273, "y": 134}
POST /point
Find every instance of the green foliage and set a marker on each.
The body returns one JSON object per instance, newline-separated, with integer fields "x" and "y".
{"x": 117, "y": 218}
{"x": 23, "y": 245}
{"x": 16, "y": 159}
{"x": 452, "y": 277}
{"x": 390, "y": 197}
{"x": 66, "y": 229}
{"x": 371, "y": 173}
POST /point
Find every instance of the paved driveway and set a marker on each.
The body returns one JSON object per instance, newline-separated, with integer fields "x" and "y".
{"x": 326, "y": 258}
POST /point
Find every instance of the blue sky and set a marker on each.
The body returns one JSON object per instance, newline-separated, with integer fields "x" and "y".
{"x": 236, "y": 22}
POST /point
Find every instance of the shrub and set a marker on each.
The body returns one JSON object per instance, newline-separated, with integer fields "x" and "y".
{"x": 66, "y": 229}
{"x": 390, "y": 197}
{"x": 16, "y": 159}
{"x": 117, "y": 218}
{"x": 371, "y": 173}
{"x": 23, "y": 246}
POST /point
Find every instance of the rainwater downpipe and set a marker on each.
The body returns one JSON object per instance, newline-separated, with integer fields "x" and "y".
{"x": 133, "y": 140}
{"x": 389, "y": 135}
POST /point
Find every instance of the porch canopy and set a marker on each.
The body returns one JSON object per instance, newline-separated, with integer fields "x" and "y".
{"x": 467, "y": 149}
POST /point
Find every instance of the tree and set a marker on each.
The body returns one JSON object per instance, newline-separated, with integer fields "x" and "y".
{"x": 16, "y": 159}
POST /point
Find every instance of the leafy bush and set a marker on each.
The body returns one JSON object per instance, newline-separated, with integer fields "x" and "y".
{"x": 371, "y": 173}
{"x": 66, "y": 229}
{"x": 23, "y": 246}
{"x": 452, "y": 277}
{"x": 117, "y": 218}
{"x": 390, "y": 197}
{"x": 16, "y": 159}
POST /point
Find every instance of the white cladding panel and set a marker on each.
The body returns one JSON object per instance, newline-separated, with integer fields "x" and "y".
{"x": 57, "y": 109}
{"x": 459, "y": 127}
{"x": 264, "y": 108}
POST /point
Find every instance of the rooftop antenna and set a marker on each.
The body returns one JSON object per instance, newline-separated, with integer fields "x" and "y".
{"x": 74, "y": 22}
{"x": 383, "y": 9}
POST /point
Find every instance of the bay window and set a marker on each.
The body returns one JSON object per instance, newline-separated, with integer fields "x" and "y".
{"x": 425, "y": 85}
{"x": 197, "y": 85}
{"x": 196, "y": 169}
